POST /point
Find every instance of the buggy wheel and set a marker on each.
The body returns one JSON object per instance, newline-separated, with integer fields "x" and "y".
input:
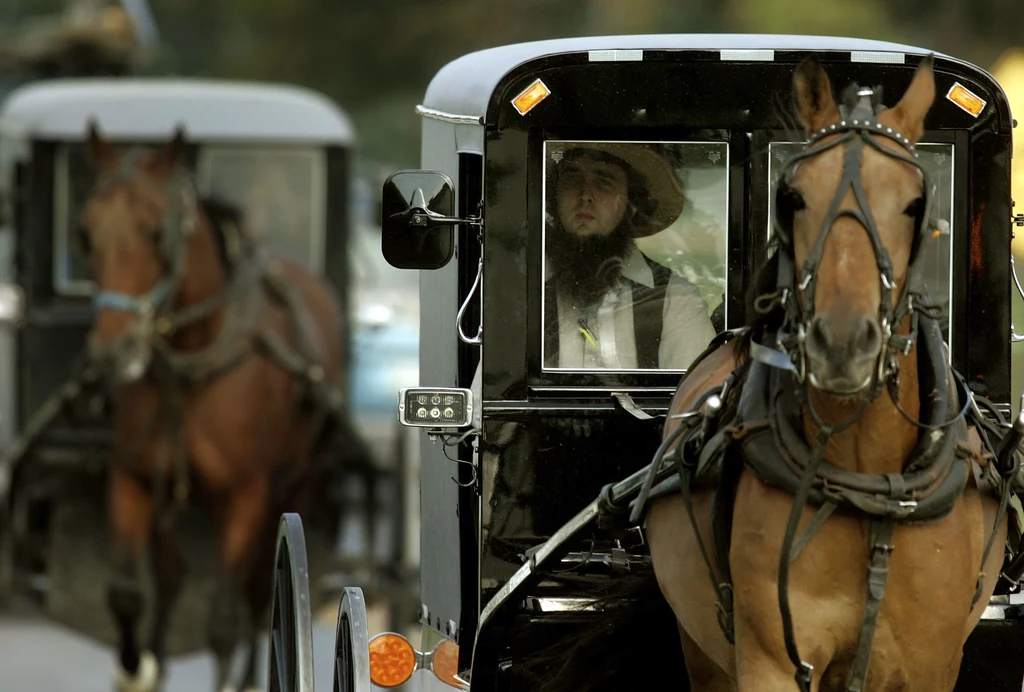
{"x": 351, "y": 646}
{"x": 290, "y": 656}
{"x": 6, "y": 561}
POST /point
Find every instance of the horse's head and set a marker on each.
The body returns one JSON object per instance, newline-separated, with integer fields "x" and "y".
{"x": 135, "y": 228}
{"x": 851, "y": 210}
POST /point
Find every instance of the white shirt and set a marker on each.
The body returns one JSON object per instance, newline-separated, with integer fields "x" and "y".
{"x": 686, "y": 327}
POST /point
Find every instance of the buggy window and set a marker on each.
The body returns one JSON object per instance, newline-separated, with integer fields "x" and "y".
{"x": 937, "y": 270}
{"x": 635, "y": 241}
{"x": 280, "y": 190}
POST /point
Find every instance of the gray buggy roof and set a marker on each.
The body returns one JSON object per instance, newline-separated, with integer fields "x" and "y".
{"x": 150, "y": 109}
{"x": 464, "y": 86}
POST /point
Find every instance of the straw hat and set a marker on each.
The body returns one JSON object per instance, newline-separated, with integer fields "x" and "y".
{"x": 658, "y": 204}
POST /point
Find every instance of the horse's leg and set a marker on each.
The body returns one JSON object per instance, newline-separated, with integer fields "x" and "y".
{"x": 258, "y": 591}
{"x": 759, "y": 672}
{"x": 261, "y": 578}
{"x": 169, "y": 575}
{"x": 242, "y": 526}
{"x": 705, "y": 675}
{"x": 130, "y": 516}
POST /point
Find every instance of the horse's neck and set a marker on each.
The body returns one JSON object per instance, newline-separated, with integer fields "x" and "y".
{"x": 882, "y": 439}
{"x": 204, "y": 277}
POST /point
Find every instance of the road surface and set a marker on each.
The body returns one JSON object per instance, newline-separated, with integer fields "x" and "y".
{"x": 39, "y": 656}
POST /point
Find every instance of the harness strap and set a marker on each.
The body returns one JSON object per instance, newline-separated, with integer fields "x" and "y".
{"x": 723, "y": 590}
{"x": 878, "y": 576}
{"x": 804, "y": 670}
{"x": 811, "y": 530}
{"x": 1004, "y": 503}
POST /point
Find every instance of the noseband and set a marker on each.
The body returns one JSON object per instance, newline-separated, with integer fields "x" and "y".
{"x": 176, "y": 226}
{"x": 856, "y": 130}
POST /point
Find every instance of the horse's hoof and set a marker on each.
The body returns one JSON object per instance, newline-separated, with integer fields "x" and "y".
{"x": 145, "y": 679}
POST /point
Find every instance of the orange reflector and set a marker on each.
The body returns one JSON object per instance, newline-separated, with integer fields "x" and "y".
{"x": 445, "y": 662}
{"x": 966, "y": 99}
{"x": 530, "y": 97}
{"x": 392, "y": 660}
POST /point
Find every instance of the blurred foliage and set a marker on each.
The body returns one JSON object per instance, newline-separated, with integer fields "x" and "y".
{"x": 376, "y": 58}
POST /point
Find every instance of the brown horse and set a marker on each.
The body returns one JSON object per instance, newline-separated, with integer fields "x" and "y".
{"x": 846, "y": 418}
{"x": 223, "y": 366}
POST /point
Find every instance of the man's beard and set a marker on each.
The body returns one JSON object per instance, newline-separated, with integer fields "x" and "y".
{"x": 586, "y": 267}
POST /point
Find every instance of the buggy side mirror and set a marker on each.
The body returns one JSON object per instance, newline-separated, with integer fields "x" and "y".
{"x": 417, "y": 220}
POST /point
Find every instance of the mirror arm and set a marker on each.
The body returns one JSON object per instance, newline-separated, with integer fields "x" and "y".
{"x": 424, "y": 217}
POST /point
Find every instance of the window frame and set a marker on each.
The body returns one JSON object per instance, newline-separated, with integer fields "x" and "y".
{"x": 728, "y": 195}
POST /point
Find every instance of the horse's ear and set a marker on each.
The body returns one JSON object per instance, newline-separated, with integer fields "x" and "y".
{"x": 908, "y": 115}
{"x": 172, "y": 153}
{"x": 812, "y": 91}
{"x": 100, "y": 155}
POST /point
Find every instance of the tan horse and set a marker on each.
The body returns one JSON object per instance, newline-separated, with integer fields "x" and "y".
{"x": 856, "y": 183}
{"x": 222, "y": 364}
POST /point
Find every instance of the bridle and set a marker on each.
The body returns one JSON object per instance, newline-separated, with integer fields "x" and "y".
{"x": 856, "y": 130}
{"x": 176, "y": 226}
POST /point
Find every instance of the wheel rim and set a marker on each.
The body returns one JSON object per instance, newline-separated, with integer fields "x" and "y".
{"x": 351, "y": 647}
{"x": 344, "y": 679}
{"x": 290, "y": 660}
{"x": 282, "y": 627}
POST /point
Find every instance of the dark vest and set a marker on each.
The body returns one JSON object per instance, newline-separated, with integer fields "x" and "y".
{"x": 648, "y": 308}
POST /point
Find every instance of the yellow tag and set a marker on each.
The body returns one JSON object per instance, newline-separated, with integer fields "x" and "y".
{"x": 587, "y": 336}
{"x": 966, "y": 99}
{"x": 530, "y": 97}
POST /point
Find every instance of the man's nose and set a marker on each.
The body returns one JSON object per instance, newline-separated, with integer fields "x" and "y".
{"x": 586, "y": 193}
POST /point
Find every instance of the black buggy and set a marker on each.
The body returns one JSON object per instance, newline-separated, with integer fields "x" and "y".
{"x": 528, "y": 432}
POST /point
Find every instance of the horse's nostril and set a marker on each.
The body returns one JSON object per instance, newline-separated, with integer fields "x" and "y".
{"x": 869, "y": 337}
{"x": 817, "y": 334}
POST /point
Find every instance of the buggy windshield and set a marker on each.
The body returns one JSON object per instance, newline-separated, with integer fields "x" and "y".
{"x": 635, "y": 241}
{"x": 281, "y": 192}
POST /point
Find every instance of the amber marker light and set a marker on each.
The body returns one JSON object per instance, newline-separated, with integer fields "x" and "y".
{"x": 444, "y": 662}
{"x": 530, "y": 97}
{"x": 966, "y": 99}
{"x": 392, "y": 660}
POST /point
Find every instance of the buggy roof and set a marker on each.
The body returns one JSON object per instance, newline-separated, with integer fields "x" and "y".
{"x": 150, "y": 109}
{"x": 464, "y": 87}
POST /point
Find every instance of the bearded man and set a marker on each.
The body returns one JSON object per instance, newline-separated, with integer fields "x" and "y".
{"x": 606, "y": 304}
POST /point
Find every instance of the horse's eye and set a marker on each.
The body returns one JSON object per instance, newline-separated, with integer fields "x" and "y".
{"x": 791, "y": 199}
{"x": 915, "y": 209}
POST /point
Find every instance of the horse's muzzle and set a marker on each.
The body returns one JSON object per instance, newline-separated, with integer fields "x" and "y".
{"x": 124, "y": 359}
{"x": 842, "y": 354}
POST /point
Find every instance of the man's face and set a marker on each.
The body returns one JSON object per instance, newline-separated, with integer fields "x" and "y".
{"x": 592, "y": 197}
